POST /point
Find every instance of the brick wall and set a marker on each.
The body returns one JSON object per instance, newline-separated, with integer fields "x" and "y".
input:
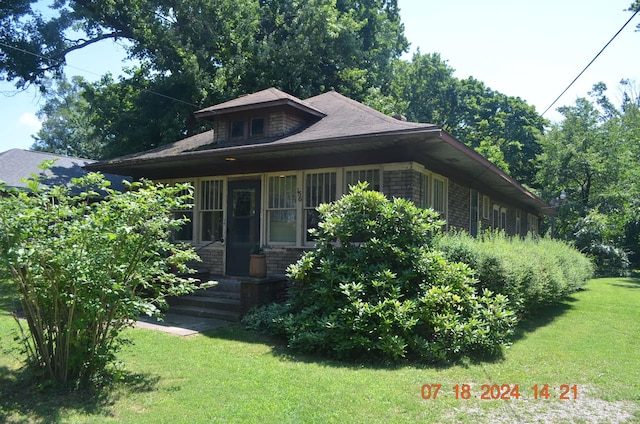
{"x": 402, "y": 184}
{"x": 281, "y": 123}
{"x": 458, "y": 208}
{"x": 278, "y": 259}
{"x": 213, "y": 259}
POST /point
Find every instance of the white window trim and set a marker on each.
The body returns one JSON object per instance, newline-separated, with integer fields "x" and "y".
{"x": 197, "y": 209}
{"x": 346, "y": 169}
{"x": 339, "y": 193}
{"x": 265, "y": 234}
{"x": 486, "y": 207}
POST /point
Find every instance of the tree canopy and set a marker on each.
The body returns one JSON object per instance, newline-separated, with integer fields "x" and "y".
{"x": 201, "y": 53}
{"x": 592, "y": 157}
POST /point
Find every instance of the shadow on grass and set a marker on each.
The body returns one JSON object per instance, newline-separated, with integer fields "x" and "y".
{"x": 541, "y": 318}
{"x": 537, "y": 319}
{"x": 627, "y": 283}
{"x": 26, "y": 398}
{"x": 8, "y": 296}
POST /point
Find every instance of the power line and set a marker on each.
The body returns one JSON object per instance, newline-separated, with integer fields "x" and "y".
{"x": 592, "y": 60}
{"x": 93, "y": 73}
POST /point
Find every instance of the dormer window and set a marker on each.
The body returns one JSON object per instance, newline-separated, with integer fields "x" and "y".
{"x": 257, "y": 127}
{"x": 237, "y": 129}
{"x": 247, "y": 129}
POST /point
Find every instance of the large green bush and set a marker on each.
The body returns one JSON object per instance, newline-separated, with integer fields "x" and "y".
{"x": 531, "y": 272}
{"x": 86, "y": 269}
{"x": 374, "y": 288}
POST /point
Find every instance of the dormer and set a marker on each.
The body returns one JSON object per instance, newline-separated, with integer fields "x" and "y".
{"x": 259, "y": 117}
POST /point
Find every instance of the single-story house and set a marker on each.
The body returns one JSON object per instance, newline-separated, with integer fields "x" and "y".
{"x": 272, "y": 158}
{"x": 17, "y": 164}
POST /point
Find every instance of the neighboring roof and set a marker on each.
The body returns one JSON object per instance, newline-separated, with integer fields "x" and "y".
{"x": 16, "y": 164}
{"x": 270, "y": 97}
{"x": 349, "y": 132}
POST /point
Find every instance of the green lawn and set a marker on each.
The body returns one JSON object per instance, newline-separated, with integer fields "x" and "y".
{"x": 591, "y": 342}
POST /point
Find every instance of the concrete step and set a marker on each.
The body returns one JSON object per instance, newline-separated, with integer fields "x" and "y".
{"x": 210, "y": 302}
{"x": 205, "y": 313}
{"x": 221, "y": 301}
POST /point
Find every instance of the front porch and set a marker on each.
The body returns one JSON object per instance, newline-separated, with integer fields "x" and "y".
{"x": 231, "y": 298}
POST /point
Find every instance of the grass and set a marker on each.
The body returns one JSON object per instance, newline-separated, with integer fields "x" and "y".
{"x": 231, "y": 375}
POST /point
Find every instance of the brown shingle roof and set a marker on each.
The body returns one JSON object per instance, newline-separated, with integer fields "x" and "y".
{"x": 343, "y": 118}
{"x": 265, "y": 98}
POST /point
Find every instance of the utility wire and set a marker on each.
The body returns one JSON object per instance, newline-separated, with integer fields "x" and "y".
{"x": 94, "y": 73}
{"x": 592, "y": 60}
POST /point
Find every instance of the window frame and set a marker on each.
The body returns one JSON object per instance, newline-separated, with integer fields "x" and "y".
{"x": 486, "y": 207}
{"x": 297, "y": 194}
{"x": 338, "y": 192}
{"x": 444, "y": 213}
{"x": 192, "y": 210}
{"x": 377, "y": 168}
{"x": 201, "y": 210}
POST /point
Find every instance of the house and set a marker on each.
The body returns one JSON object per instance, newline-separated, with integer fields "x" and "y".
{"x": 16, "y": 164}
{"x": 272, "y": 158}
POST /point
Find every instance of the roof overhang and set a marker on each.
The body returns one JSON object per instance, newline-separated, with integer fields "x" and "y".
{"x": 432, "y": 147}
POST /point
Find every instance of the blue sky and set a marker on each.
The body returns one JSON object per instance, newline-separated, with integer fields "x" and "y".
{"x": 529, "y": 49}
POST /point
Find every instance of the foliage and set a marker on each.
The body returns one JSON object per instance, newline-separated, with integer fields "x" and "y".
{"x": 530, "y": 272}
{"x": 201, "y": 53}
{"x": 85, "y": 269}
{"x": 502, "y": 128}
{"x": 373, "y": 288}
{"x": 65, "y": 129}
{"x": 596, "y": 236}
{"x": 592, "y": 156}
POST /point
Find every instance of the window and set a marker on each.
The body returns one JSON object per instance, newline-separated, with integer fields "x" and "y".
{"x": 499, "y": 218}
{"x": 440, "y": 196}
{"x": 318, "y": 188}
{"x": 496, "y": 217}
{"x": 185, "y": 232}
{"x": 211, "y": 212}
{"x": 371, "y": 176}
{"x": 532, "y": 222}
{"x": 518, "y": 222}
{"x": 486, "y": 206}
{"x": 281, "y": 209}
{"x": 257, "y": 127}
{"x": 237, "y": 129}
{"x": 425, "y": 190}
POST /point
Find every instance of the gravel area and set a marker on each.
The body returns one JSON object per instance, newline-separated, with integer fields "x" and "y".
{"x": 584, "y": 410}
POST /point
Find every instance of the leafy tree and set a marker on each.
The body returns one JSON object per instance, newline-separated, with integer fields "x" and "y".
{"x": 592, "y": 156}
{"x": 65, "y": 128}
{"x": 373, "y": 287}
{"x": 502, "y": 128}
{"x": 87, "y": 269}
{"x": 203, "y": 52}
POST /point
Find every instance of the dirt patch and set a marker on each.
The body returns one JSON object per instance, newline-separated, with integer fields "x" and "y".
{"x": 584, "y": 410}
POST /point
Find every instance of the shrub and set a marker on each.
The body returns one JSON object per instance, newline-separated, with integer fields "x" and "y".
{"x": 86, "y": 269}
{"x": 596, "y": 236}
{"x": 374, "y": 288}
{"x": 531, "y": 272}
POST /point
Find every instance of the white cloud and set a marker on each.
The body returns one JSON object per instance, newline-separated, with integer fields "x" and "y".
{"x": 30, "y": 121}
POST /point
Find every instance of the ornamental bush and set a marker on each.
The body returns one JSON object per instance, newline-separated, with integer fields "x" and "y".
{"x": 373, "y": 287}
{"x": 86, "y": 268}
{"x": 530, "y": 272}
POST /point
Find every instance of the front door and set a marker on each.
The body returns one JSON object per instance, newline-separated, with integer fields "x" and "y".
{"x": 243, "y": 225}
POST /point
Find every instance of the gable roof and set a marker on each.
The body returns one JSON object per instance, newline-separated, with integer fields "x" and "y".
{"x": 16, "y": 164}
{"x": 350, "y": 133}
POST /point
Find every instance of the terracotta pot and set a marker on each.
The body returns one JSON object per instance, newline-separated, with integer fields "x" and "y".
{"x": 258, "y": 266}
